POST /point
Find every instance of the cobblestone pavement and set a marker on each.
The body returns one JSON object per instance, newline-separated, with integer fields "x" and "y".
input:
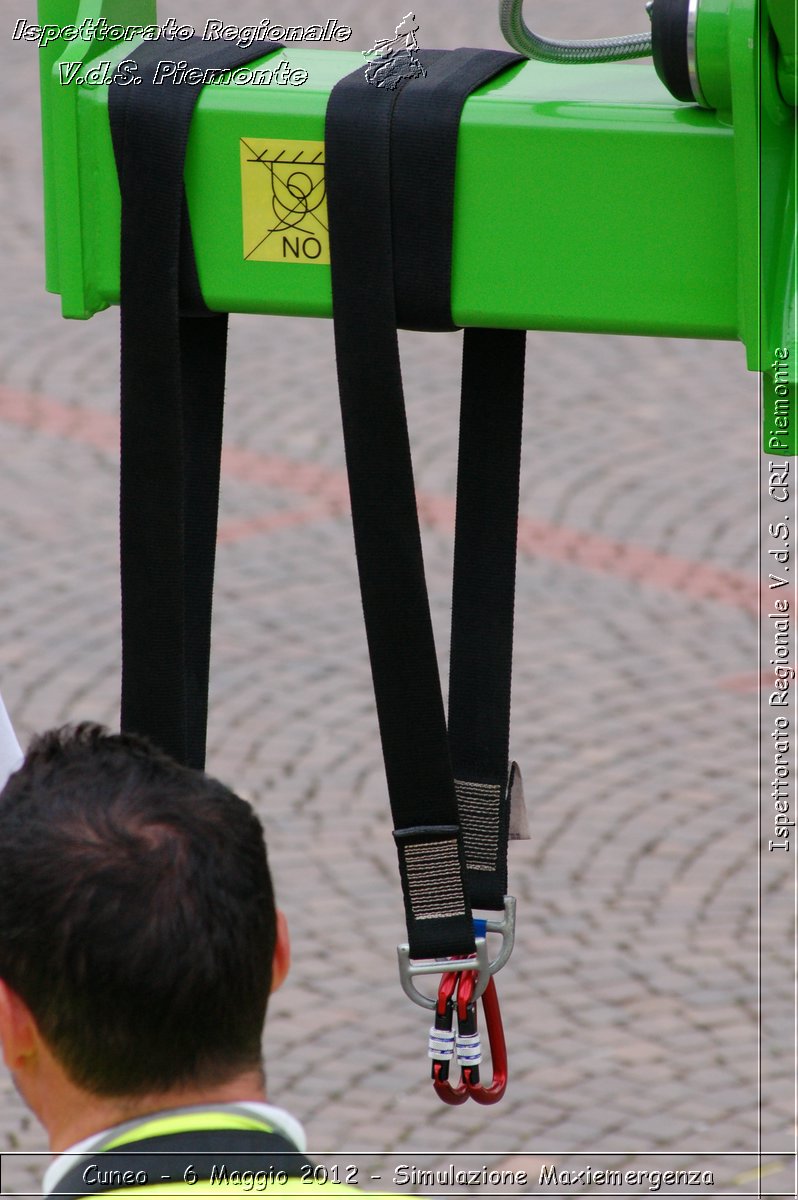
{"x": 631, "y": 999}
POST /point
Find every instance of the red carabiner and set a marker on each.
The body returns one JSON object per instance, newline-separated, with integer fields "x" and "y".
{"x": 494, "y": 1091}
{"x": 440, "y": 1070}
{"x": 465, "y": 984}
{"x": 446, "y": 1090}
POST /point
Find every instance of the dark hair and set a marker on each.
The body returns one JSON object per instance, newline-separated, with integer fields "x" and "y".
{"x": 137, "y": 917}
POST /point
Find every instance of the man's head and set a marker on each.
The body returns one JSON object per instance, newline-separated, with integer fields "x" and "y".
{"x": 137, "y": 918}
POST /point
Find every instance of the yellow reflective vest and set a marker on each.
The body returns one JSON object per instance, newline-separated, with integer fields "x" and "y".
{"x": 205, "y": 1152}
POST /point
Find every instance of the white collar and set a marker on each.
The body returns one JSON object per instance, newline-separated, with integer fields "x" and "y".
{"x": 277, "y": 1118}
{"x": 10, "y": 753}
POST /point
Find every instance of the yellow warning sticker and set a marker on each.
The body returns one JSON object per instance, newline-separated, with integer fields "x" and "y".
{"x": 284, "y": 201}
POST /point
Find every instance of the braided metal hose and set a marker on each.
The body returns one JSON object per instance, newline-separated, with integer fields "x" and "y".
{"x": 522, "y": 39}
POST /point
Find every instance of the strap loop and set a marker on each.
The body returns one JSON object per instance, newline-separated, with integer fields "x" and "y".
{"x": 391, "y": 159}
{"x": 173, "y": 370}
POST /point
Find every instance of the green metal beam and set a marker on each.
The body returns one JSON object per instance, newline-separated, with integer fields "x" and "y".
{"x": 587, "y": 198}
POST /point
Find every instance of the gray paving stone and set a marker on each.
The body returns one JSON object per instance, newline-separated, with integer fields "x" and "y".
{"x": 630, "y": 999}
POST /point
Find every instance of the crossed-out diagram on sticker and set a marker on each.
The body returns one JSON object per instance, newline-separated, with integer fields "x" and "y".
{"x": 284, "y": 201}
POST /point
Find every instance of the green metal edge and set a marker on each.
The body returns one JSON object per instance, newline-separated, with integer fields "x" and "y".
{"x": 82, "y": 202}
{"x": 777, "y": 218}
{"x": 67, "y": 191}
{"x": 650, "y": 153}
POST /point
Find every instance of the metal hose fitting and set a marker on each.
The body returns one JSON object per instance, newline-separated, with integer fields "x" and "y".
{"x": 522, "y": 39}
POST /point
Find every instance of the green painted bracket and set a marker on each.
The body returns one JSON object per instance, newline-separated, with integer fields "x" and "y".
{"x": 587, "y": 198}
{"x": 771, "y": 211}
{"x": 68, "y": 207}
{"x": 784, "y": 19}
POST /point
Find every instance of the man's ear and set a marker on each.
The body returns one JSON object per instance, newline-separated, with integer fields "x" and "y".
{"x": 282, "y": 951}
{"x": 18, "y": 1031}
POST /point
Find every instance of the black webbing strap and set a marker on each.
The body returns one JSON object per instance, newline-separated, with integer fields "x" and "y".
{"x": 423, "y": 168}
{"x": 398, "y": 626}
{"x": 173, "y": 368}
{"x": 483, "y": 597}
{"x": 206, "y": 1154}
{"x": 424, "y": 137}
{"x": 373, "y": 166}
